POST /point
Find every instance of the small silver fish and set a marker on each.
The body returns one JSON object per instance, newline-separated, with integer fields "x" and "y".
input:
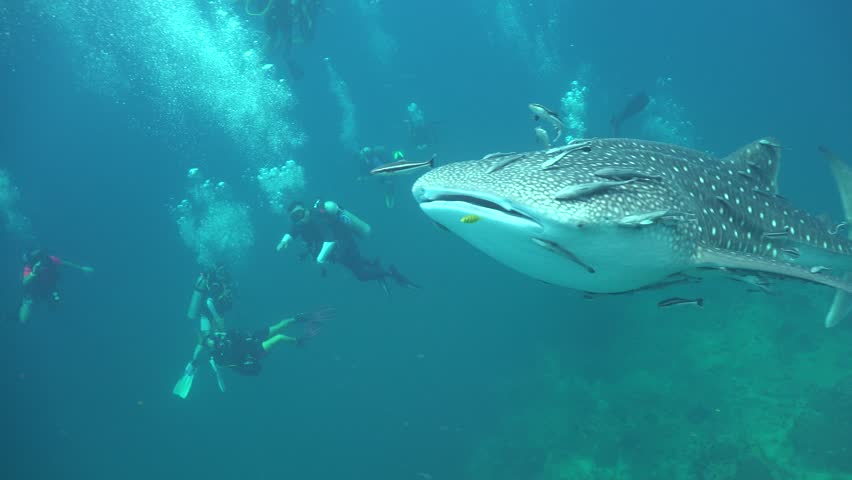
{"x": 840, "y": 226}
{"x": 674, "y": 218}
{"x": 560, "y": 148}
{"x": 782, "y": 233}
{"x": 819, "y": 269}
{"x": 542, "y": 137}
{"x": 402, "y": 167}
{"x": 496, "y": 154}
{"x": 564, "y": 151}
{"x": 505, "y": 161}
{"x": 572, "y": 192}
{"x": 677, "y": 301}
{"x": 618, "y": 173}
{"x": 641, "y": 219}
{"x": 552, "y": 161}
{"x": 556, "y": 248}
{"x": 760, "y": 283}
{"x": 769, "y": 143}
{"x": 541, "y": 112}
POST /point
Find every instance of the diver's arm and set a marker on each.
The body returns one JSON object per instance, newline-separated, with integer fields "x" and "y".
{"x": 325, "y": 251}
{"x": 32, "y": 275}
{"x": 285, "y": 240}
{"x": 78, "y": 267}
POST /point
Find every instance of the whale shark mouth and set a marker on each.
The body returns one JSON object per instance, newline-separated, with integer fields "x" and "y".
{"x": 465, "y": 201}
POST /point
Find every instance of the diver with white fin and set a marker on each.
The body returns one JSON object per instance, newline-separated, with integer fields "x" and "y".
{"x": 330, "y": 234}
{"x": 184, "y": 385}
{"x": 242, "y": 351}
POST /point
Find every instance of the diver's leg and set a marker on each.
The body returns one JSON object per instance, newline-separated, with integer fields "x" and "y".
{"x": 275, "y": 340}
{"x": 25, "y": 311}
{"x": 274, "y": 329}
{"x": 390, "y": 195}
{"x": 363, "y": 269}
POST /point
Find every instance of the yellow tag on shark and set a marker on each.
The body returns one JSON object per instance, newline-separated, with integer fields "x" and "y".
{"x": 470, "y": 219}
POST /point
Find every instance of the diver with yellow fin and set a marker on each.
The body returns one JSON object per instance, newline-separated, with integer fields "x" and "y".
{"x": 330, "y": 234}
{"x": 241, "y": 351}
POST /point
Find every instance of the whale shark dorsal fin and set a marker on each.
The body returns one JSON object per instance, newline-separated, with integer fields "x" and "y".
{"x": 759, "y": 160}
{"x": 842, "y": 173}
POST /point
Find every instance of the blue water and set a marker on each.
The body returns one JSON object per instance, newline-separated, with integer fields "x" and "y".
{"x": 413, "y": 385}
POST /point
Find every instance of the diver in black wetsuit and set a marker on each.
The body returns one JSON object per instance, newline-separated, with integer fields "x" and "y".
{"x": 40, "y": 280}
{"x": 330, "y": 235}
{"x": 242, "y": 351}
{"x": 287, "y": 22}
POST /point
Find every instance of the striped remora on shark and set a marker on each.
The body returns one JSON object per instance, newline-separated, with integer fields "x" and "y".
{"x": 561, "y": 216}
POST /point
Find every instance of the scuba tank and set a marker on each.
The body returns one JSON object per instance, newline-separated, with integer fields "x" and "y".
{"x": 193, "y": 311}
{"x": 359, "y": 226}
{"x": 194, "y": 305}
{"x": 348, "y": 218}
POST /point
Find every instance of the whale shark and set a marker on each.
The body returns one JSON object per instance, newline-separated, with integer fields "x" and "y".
{"x": 619, "y": 215}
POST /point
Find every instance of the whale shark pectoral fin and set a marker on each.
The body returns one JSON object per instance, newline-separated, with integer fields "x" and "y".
{"x": 841, "y": 306}
{"x": 842, "y": 173}
{"x": 708, "y": 256}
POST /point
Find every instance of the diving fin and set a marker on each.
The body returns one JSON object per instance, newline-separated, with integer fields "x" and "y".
{"x": 218, "y": 373}
{"x": 184, "y": 385}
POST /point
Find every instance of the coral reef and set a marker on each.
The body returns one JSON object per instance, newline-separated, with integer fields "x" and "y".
{"x": 743, "y": 389}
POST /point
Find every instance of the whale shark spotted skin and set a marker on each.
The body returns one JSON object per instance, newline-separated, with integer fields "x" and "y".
{"x": 616, "y": 215}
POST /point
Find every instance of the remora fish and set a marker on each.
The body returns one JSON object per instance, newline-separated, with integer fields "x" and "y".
{"x": 541, "y": 112}
{"x": 676, "y": 301}
{"x": 402, "y": 167}
{"x": 579, "y": 190}
{"x": 519, "y": 202}
{"x": 634, "y": 106}
{"x": 542, "y": 137}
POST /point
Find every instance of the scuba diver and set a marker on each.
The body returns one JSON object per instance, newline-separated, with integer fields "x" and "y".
{"x": 40, "y": 281}
{"x": 376, "y": 156}
{"x": 330, "y": 234}
{"x": 287, "y": 22}
{"x": 242, "y": 351}
{"x": 421, "y": 133}
{"x": 213, "y": 291}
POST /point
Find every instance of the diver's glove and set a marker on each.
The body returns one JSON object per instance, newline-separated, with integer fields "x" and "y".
{"x": 201, "y": 282}
{"x": 285, "y": 240}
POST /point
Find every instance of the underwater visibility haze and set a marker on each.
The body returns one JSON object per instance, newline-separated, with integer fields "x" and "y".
{"x": 487, "y": 239}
